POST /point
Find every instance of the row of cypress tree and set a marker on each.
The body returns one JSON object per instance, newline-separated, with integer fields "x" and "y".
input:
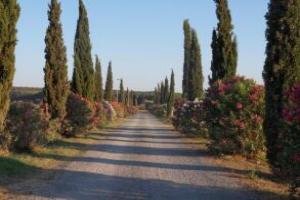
{"x": 224, "y": 54}
{"x": 164, "y": 93}
{"x": 86, "y": 80}
{"x": 128, "y": 98}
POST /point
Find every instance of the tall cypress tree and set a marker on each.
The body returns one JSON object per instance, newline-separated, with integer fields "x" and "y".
{"x": 121, "y": 97}
{"x": 83, "y": 75}
{"x": 217, "y": 73}
{"x": 195, "y": 89}
{"x": 187, "y": 54}
{"x": 108, "y": 94}
{"x": 171, "y": 98}
{"x": 282, "y": 66}
{"x": 166, "y": 90}
{"x": 127, "y": 96}
{"x": 162, "y": 90}
{"x": 56, "y": 72}
{"x": 224, "y": 45}
{"x": 9, "y": 15}
{"x": 98, "y": 81}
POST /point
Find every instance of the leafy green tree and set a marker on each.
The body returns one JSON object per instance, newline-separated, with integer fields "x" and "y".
{"x": 282, "y": 68}
{"x": 98, "y": 81}
{"x": 121, "y": 97}
{"x": 171, "y": 99}
{"x": 108, "y": 94}
{"x": 9, "y": 15}
{"x": 83, "y": 75}
{"x": 187, "y": 54}
{"x": 195, "y": 89}
{"x": 224, "y": 45}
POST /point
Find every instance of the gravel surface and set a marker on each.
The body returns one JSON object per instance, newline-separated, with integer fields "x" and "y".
{"x": 142, "y": 159}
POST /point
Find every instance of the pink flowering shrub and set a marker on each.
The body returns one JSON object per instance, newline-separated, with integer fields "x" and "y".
{"x": 235, "y": 110}
{"x": 190, "y": 117}
{"x": 27, "y": 125}
{"x": 80, "y": 115}
{"x": 119, "y": 109}
{"x": 289, "y": 157}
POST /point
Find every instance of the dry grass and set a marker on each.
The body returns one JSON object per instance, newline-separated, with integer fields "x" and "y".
{"x": 254, "y": 174}
{"x": 23, "y": 168}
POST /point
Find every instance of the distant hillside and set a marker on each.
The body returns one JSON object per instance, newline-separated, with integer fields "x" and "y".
{"x": 36, "y": 94}
{"x": 27, "y": 94}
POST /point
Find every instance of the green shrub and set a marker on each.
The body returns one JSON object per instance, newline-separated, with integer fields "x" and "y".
{"x": 235, "y": 116}
{"x": 157, "y": 109}
{"x": 27, "y": 126}
{"x": 189, "y": 117}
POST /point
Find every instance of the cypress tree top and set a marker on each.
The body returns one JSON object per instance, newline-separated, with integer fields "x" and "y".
{"x": 171, "y": 98}
{"x": 108, "y": 95}
{"x": 187, "y": 54}
{"x": 224, "y": 45}
{"x": 121, "y": 96}
{"x": 98, "y": 81}
{"x": 83, "y": 75}
{"x": 195, "y": 71}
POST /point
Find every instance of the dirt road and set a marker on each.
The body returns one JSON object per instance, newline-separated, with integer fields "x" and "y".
{"x": 143, "y": 159}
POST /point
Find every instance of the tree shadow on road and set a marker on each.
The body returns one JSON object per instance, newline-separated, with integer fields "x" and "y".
{"x": 78, "y": 185}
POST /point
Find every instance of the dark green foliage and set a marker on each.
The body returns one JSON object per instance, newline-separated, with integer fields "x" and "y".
{"x": 108, "y": 94}
{"x": 187, "y": 54}
{"x": 121, "y": 97}
{"x": 195, "y": 84}
{"x": 9, "y": 15}
{"x": 166, "y": 90}
{"x": 83, "y": 75}
{"x": 224, "y": 45}
{"x": 282, "y": 67}
{"x": 127, "y": 96}
{"x": 162, "y": 90}
{"x": 171, "y": 99}
{"x": 26, "y": 125}
{"x": 56, "y": 89}
{"x": 98, "y": 81}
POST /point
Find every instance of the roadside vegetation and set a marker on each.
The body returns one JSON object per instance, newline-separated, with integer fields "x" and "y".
{"x": 249, "y": 125}
{"x": 55, "y": 120}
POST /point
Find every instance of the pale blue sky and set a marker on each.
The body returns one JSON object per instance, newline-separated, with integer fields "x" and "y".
{"x": 143, "y": 38}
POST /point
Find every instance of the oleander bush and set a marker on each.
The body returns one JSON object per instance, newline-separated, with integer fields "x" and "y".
{"x": 235, "y": 110}
{"x": 119, "y": 109}
{"x": 289, "y": 138}
{"x": 26, "y": 125}
{"x": 190, "y": 117}
{"x": 80, "y": 115}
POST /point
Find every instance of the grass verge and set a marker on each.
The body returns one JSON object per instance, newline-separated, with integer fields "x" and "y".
{"x": 16, "y": 168}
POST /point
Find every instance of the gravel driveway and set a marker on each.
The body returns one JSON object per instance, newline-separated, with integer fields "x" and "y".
{"x": 143, "y": 159}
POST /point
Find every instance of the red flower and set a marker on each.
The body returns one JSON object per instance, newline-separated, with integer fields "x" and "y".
{"x": 239, "y": 106}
